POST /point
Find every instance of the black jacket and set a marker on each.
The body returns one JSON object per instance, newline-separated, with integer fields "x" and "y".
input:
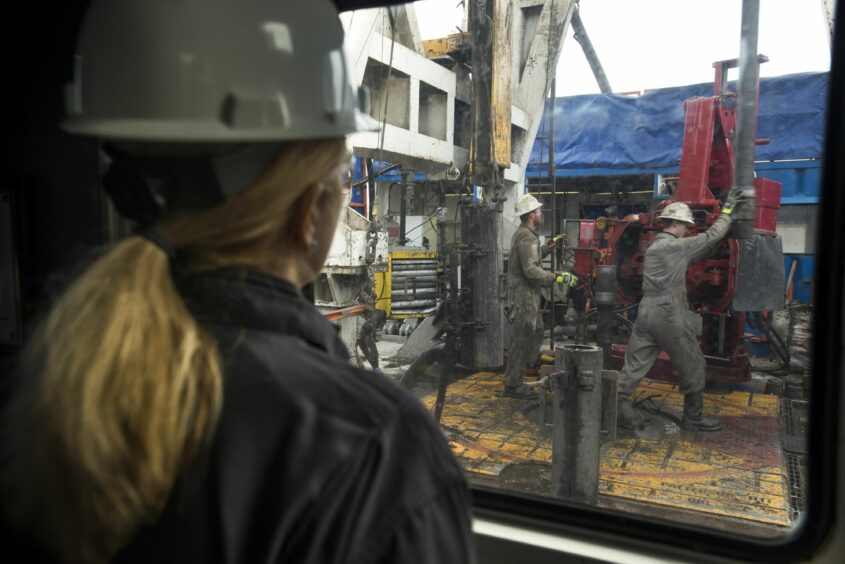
{"x": 313, "y": 460}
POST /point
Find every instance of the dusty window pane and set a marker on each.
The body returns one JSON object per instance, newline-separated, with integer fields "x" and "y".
{"x": 641, "y": 110}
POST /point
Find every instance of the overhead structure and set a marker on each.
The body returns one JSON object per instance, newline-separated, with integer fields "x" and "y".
{"x": 422, "y": 90}
{"x": 463, "y": 109}
{"x": 828, "y": 11}
{"x": 580, "y": 35}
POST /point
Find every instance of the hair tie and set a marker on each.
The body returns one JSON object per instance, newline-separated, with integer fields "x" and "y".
{"x": 158, "y": 239}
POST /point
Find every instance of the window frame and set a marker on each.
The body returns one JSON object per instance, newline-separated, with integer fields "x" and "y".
{"x": 605, "y": 526}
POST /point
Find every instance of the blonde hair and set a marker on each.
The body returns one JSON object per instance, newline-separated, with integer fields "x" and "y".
{"x": 122, "y": 386}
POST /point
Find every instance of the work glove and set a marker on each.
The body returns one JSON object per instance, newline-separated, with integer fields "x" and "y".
{"x": 555, "y": 241}
{"x": 567, "y": 279}
{"x": 735, "y": 198}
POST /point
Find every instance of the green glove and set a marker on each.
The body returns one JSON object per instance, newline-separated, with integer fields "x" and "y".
{"x": 567, "y": 279}
{"x": 554, "y": 241}
{"x": 734, "y": 198}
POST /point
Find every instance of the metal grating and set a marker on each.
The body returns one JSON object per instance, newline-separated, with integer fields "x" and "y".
{"x": 796, "y": 465}
{"x": 793, "y": 415}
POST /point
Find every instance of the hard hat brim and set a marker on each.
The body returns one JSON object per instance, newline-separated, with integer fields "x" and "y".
{"x": 169, "y": 130}
{"x": 364, "y": 122}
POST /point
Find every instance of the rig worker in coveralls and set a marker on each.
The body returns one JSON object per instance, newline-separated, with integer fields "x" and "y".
{"x": 526, "y": 281}
{"x": 664, "y": 320}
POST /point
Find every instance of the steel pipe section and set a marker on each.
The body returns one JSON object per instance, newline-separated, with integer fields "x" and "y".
{"x": 481, "y": 298}
{"x": 746, "y": 123}
{"x": 577, "y": 386}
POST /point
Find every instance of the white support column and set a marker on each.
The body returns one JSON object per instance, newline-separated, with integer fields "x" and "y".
{"x": 450, "y": 118}
{"x": 359, "y": 26}
{"x": 414, "y": 106}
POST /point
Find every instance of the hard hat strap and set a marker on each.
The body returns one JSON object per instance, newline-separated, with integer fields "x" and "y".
{"x": 238, "y": 169}
{"x": 144, "y": 188}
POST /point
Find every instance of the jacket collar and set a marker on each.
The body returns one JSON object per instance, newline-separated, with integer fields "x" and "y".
{"x": 528, "y": 228}
{"x": 665, "y": 234}
{"x": 249, "y": 299}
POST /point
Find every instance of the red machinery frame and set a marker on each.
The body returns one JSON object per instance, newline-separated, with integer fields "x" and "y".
{"x": 707, "y": 171}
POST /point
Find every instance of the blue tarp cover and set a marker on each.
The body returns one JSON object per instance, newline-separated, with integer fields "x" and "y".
{"x": 615, "y": 131}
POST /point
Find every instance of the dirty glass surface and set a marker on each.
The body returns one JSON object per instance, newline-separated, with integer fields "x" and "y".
{"x": 606, "y": 112}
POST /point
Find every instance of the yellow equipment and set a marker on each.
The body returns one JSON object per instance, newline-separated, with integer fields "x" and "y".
{"x": 409, "y": 287}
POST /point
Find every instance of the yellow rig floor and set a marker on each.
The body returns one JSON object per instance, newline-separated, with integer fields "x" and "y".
{"x": 739, "y": 472}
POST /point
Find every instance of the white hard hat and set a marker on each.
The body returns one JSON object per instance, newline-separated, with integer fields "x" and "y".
{"x": 526, "y": 204}
{"x": 678, "y": 211}
{"x": 212, "y": 71}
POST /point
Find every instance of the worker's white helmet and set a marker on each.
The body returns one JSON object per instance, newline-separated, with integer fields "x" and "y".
{"x": 526, "y": 204}
{"x": 678, "y": 211}
{"x": 223, "y": 71}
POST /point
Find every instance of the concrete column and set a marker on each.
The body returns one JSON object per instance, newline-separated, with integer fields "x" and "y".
{"x": 414, "y": 107}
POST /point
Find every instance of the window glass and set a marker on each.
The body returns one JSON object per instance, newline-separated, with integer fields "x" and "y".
{"x": 643, "y": 342}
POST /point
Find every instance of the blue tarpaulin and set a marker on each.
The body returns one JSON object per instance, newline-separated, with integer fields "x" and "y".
{"x": 615, "y": 131}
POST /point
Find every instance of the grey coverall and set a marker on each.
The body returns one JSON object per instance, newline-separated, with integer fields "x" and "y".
{"x": 664, "y": 320}
{"x": 526, "y": 281}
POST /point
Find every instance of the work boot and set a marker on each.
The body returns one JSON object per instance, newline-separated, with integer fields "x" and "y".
{"x": 519, "y": 392}
{"x": 693, "y": 419}
{"x": 627, "y": 416}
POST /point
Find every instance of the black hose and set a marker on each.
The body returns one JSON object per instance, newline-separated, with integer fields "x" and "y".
{"x": 434, "y": 355}
{"x": 617, "y": 312}
{"x": 582, "y": 319}
{"x": 627, "y": 307}
{"x": 624, "y": 319}
{"x": 781, "y": 344}
{"x": 376, "y": 175}
{"x": 778, "y": 345}
{"x": 655, "y": 410}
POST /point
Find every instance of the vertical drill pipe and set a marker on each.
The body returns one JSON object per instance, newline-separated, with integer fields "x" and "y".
{"x": 454, "y": 290}
{"x": 604, "y": 332}
{"x": 552, "y": 167}
{"x": 553, "y": 182}
{"x": 580, "y": 35}
{"x": 403, "y": 208}
{"x": 371, "y": 187}
{"x": 576, "y": 436}
{"x": 481, "y": 36}
{"x": 746, "y": 127}
{"x": 605, "y": 299}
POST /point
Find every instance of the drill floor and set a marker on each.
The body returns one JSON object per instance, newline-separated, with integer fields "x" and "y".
{"x": 740, "y": 472}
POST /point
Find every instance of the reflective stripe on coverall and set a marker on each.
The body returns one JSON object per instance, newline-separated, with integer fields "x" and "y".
{"x": 526, "y": 281}
{"x": 664, "y": 320}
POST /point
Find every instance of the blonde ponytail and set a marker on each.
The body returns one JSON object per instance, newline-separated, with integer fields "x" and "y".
{"x": 126, "y": 390}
